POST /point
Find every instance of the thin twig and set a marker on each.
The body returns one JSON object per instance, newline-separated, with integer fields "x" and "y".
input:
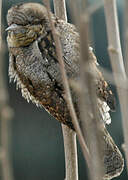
{"x": 60, "y": 9}
{"x": 5, "y": 114}
{"x": 89, "y": 109}
{"x": 70, "y": 146}
{"x": 116, "y": 58}
{"x": 126, "y": 35}
{"x": 67, "y": 91}
{"x": 126, "y": 65}
{"x": 91, "y": 126}
{"x": 126, "y": 46}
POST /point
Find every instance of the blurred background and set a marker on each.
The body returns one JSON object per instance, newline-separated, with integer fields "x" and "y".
{"x": 37, "y": 150}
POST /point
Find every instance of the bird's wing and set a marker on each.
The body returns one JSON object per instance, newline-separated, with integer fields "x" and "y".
{"x": 70, "y": 43}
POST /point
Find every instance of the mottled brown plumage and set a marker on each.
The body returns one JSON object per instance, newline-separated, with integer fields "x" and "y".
{"x": 33, "y": 64}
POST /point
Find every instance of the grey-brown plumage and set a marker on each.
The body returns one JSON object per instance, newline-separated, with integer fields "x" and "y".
{"x": 34, "y": 66}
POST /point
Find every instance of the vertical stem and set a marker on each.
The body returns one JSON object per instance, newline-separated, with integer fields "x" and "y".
{"x": 7, "y": 172}
{"x": 126, "y": 35}
{"x": 116, "y": 58}
{"x": 68, "y": 97}
{"x": 67, "y": 89}
{"x": 89, "y": 111}
{"x": 70, "y": 146}
{"x": 60, "y": 9}
{"x": 91, "y": 125}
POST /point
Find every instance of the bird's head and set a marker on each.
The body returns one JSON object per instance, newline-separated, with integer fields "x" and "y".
{"x": 26, "y": 22}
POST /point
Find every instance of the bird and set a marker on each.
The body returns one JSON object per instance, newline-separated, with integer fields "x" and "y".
{"x": 34, "y": 66}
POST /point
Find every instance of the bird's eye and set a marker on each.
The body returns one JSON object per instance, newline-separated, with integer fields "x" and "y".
{"x": 22, "y": 30}
{"x": 18, "y": 31}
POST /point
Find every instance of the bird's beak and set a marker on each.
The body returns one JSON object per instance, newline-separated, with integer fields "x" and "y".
{"x": 12, "y": 27}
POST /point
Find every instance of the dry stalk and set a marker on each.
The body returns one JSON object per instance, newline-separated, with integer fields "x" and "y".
{"x": 91, "y": 128}
{"x": 70, "y": 145}
{"x": 126, "y": 35}
{"x": 70, "y": 148}
{"x": 90, "y": 125}
{"x": 67, "y": 90}
{"x": 116, "y": 58}
{"x": 60, "y": 9}
{"x": 5, "y": 115}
